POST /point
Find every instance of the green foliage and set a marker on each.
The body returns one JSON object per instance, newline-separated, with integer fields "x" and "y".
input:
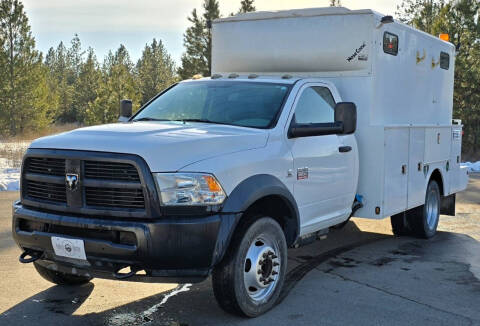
{"x": 87, "y": 84}
{"x": 156, "y": 70}
{"x": 335, "y": 3}
{"x": 61, "y": 82}
{"x": 23, "y": 84}
{"x": 70, "y": 86}
{"x": 246, "y": 6}
{"x": 197, "y": 40}
{"x": 460, "y": 19}
{"x": 118, "y": 82}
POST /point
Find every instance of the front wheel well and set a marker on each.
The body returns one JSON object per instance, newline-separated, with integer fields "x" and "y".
{"x": 279, "y": 209}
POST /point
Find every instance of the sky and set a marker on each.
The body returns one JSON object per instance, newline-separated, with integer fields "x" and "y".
{"x": 105, "y": 24}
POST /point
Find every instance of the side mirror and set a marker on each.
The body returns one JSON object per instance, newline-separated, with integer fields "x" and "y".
{"x": 125, "y": 110}
{"x": 346, "y": 113}
{"x": 314, "y": 129}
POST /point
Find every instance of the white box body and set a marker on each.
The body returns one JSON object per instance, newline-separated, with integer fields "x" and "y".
{"x": 404, "y": 101}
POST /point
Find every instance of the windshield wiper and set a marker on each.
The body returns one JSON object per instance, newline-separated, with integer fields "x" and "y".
{"x": 205, "y": 121}
{"x": 197, "y": 120}
{"x": 182, "y": 120}
{"x": 150, "y": 119}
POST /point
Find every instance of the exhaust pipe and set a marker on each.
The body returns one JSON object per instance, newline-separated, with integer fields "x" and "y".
{"x": 32, "y": 254}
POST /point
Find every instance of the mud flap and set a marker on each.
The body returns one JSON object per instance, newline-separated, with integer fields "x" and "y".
{"x": 447, "y": 206}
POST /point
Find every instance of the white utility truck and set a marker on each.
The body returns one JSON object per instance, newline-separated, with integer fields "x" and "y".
{"x": 310, "y": 117}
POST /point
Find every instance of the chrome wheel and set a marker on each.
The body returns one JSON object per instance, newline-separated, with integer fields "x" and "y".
{"x": 432, "y": 207}
{"x": 249, "y": 280}
{"x": 261, "y": 268}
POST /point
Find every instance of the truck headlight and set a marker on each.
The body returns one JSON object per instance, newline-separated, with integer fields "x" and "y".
{"x": 184, "y": 189}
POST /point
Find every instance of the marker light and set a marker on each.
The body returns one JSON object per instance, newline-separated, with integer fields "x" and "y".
{"x": 444, "y": 37}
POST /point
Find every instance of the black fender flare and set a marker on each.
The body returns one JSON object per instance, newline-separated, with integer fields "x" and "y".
{"x": 242, "y": 197}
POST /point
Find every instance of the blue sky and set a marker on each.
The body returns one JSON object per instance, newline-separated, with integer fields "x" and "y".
{"x": 105, "y": 24}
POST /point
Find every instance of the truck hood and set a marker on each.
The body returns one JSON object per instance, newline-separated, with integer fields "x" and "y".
{"x": 165, "y": 146}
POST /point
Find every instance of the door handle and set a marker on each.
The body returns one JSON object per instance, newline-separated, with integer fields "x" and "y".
{"x": 344, "y": 149}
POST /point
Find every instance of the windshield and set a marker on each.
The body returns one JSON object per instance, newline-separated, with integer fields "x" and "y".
{"x": 247, "y": 104}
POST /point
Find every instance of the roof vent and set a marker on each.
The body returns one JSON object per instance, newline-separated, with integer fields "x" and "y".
{"x": 216, "y": 76}
{"x": 252, "y": 76}
{"x": 286, "y": 77}
{"x": 233, "y": 75}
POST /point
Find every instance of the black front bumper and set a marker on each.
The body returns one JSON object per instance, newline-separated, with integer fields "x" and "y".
{"x": 183, "y": 249}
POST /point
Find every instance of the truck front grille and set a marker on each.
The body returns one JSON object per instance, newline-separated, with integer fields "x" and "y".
{"x": 44, "y": 165}
{"x": 115, "y": 197}
{"x": 111, "y": 171}
{"x": 45, "y": 191}
{"x": 104, "y": 186}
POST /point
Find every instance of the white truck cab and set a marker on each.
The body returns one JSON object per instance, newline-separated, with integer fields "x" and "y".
{"x": 310, "y": 117}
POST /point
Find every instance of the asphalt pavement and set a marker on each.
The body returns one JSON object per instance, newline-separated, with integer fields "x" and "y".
{"x": 359, "y": 275}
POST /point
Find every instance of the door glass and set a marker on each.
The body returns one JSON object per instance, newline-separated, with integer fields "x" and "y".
{"x": 315, "y": 105}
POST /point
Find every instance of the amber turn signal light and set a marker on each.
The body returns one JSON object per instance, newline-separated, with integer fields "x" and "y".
{"x": 444, "y": 37}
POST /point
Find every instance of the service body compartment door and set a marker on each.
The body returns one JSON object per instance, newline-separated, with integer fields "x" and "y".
{"x": 437, "y": 144}
{"x": 416, "y": 177}
{"x": 396, "y": 170}
{"x": 456, "y": 175}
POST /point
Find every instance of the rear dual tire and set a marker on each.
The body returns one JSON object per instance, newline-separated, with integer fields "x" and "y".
{"x": 421, "y": 221}
{"x": 249, "y": 280}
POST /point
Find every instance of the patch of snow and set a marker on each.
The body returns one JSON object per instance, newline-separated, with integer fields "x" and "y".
{"x": 9, "y": 177}
{"x": 472, "y": 167}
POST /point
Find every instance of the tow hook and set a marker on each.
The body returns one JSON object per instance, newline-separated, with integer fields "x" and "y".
{"x": 33, "y": 254}
{"x": 122, "y": 276}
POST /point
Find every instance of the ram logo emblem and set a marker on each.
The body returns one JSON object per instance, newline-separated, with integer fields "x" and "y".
{"x": 71, "y": 181}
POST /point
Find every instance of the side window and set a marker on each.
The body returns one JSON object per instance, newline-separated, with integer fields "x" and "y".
{"x": 390, "y": 43}
{"x": 316, "y": 105}
{"x": 444, "y": 60}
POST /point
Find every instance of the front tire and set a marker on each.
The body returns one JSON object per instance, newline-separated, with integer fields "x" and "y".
{"x": 60, "y": 278}
{"x": 249, "y": 279}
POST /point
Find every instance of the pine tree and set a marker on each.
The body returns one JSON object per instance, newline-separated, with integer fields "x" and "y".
{"x": 75, "y": 58}
{"x": 64, "y": 88}
{"x": 335, "y": 3}
{"x": 86, "y": 86}
{"x": 23, "y": 93}
{"x": 420, "y": 13}
{"x": 198, "y": 42}
{"x": 246, "y": 6}
{"x": 118, "y": 82}
{"x": 53, "y": 97}
{"x": 64, "y": 65}
{"x": 155, "y": 69}
{"x": 194, "y": 60}
{"x": 211, "y": 12}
